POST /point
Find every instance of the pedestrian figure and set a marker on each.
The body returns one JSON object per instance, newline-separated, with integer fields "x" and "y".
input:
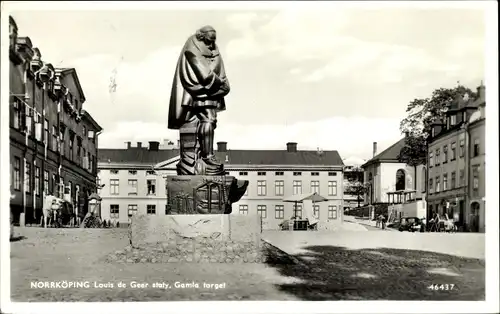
{"x": 383, "y": 222}
{"x": 423, "y": 224}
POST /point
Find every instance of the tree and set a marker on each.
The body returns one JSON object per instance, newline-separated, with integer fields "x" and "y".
{"x": 417, "y": 125}
{"x": 358, "y": 189}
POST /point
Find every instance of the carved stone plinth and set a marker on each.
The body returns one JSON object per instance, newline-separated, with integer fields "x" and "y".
{"x": 203, "y": 194}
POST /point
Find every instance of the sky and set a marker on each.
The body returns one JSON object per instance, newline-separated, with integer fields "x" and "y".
{"x": 333, "y": 78}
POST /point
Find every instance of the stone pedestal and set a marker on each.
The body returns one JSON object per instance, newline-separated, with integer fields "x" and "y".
{"x": 203, "y": 194}
{"x": 200, "y": 238}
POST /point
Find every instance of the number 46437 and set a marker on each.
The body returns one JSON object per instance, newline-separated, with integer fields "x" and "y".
{"x": 442, "y": 287}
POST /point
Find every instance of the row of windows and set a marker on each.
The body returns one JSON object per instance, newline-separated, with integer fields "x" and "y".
{"x": 114, "y": 210}
{"x": 452, "y": 184}
{"x": 242, "y": 173}
{"x": 24, "y": 119}
{"x": 279, "y": 211}
{"x": 134, "y": 172}
{"x": 49, "y": 185}
{"x": 435, "y": 158}
{"x": 133, "y": 187}
{"x": 279, "y": 187}
{"x": 281, "y": 173}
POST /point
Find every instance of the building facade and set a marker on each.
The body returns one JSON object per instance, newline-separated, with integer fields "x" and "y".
{"x": 456, "y": 164}
{"x": 53, "y": 140}
{"x": 272, "y": 176}
{"x": 385, "y": 174}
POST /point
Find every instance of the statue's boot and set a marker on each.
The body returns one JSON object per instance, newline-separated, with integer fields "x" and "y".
{"x": 213, "y": 167}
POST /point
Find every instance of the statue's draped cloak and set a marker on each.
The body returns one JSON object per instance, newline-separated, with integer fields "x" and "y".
{"x": 197, "y": 81}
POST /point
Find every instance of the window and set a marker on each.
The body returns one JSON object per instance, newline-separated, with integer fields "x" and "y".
{"x": 226, "y": 173}
{"x": 55, "y": 146}
{"x": 462, "y": 148}
{"x": 61, "y": 139}
{"x": 431, "y": 159}
{"x": 262, "y": 211}
{"x": 46, "y": 136}
{"x": 431, "y": 185}
{"x": 297, "y": 187}
{"x": 151, "y": 209}
{"x": 261, "y": 188}
{"x": 445, "y": 154}
{"x": 476, "y": 148}
{"x": 17, "y": 114}
{"x": 151, "y": 184}
{"x": 279, "y": 211}
{"x": 279, "y": 173}
{"x": 475, "y": 178}
{"x": 332, "y": 188}
{"x": 445, "y": 182}
{"x": 113, "y": 171}
{"x": 71, "y": 143}
{"x": 37, "y": 181}
{"x": 132, "y": 185}
{"x": 279, "y": 187}
{"x": 297, "y": 173}
{"x": 261, "y": 173}
{"x": 132, "y": 172}
{"x": 400, "y": 180}
{"x": 437, "y": 160}
{"x": 28, "y": 120}
{"x": 332, "y": 174}
{"x": 17, "y": 174}
{"x": 132, "y": 210}
{"x": 27, "y": 180}
{"x": 461, "y": 179}
{"x": 114, "y": 187}
{"x": 453, "y": 120}
{"x": 243, "y": 173}
{"x": 314, "y": 174}
{"x": 438, "y": 187}
{"x": 297, "y": 210}
{"x": 453, "y": 180}
{"x": 150, "y": 172}
{"x": 244, "y": 209}
{"x": 46, "y": 182}
{"x": 453, "y": 151}
{"x": 332, "y": 212}
{"x": 316, "y": 211}
{"x": 315, "y": 187}
{"x": 114, "y": 211}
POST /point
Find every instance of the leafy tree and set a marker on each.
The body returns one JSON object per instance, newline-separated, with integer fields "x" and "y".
{"x": 422, "y": 113}
{"x": 358, "y": 189}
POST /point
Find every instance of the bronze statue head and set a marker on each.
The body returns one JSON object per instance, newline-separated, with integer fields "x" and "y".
{"x": 207, "y": 34}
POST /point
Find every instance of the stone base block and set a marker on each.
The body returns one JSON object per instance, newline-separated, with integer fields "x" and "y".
{"x": 152, "y": 229}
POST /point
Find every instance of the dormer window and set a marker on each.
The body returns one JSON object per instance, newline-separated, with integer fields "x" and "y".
{"x": 453, "y": 120}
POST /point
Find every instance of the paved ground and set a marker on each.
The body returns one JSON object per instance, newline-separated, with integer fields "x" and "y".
{"x": 344, "y": 265}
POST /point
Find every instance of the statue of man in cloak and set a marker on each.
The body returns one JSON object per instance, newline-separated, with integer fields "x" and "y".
{"x": 198, "y": 91}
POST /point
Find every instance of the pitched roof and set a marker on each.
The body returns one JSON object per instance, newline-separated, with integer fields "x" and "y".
{"x": 234, "y": 157}
{"x": 135, "y": 155}
{"x": 388, "y": 155}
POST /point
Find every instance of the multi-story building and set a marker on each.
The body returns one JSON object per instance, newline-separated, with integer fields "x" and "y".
{"x": 273, "y": 175}
{"x": 353, "y": 177}
{"x": 130, "y": 183}
{"x": 53, "y": 140}
{"x": 456, "y": 163}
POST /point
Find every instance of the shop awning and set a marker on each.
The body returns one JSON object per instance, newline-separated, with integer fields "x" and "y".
{"x": 315, "y": 197}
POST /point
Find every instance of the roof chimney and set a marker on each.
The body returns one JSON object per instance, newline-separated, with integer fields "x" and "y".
{"x": 139, "y": 144}
{"x": 222, "y": 147}
{"x": 129, "y": 144}
{"x": 291, "y": 147}
{"x": 154, "y": 146}
{"x": 374, "y": 149}
{"x": 481, "y": 92}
